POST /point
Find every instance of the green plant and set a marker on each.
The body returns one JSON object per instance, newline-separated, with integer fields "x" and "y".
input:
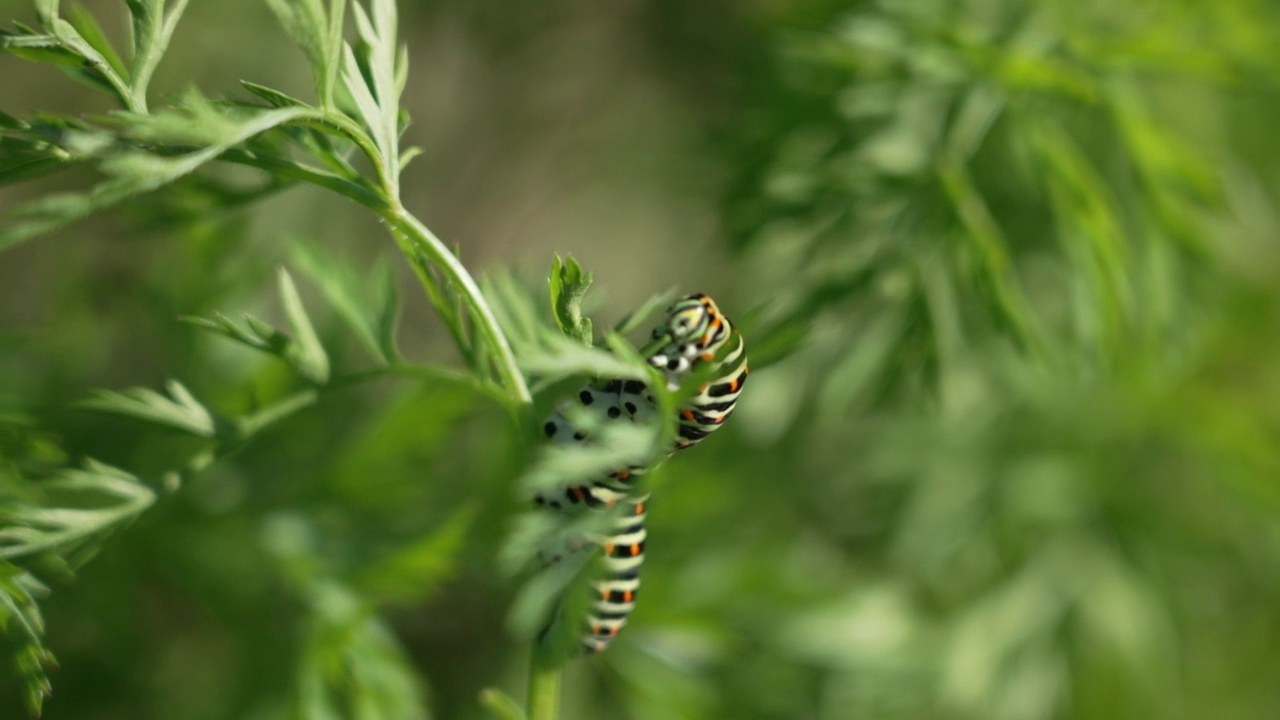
{"x": 346, "y": 142}
{"x": 1007, "y": 271}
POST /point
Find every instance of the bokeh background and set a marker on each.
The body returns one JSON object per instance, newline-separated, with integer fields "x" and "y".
{"x": 1010, "y": 278}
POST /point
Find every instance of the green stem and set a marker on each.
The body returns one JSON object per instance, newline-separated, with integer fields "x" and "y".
{"x": 253, "y": 422}
{"x": 544, "y": 685}
{"x": 485, "y": 324}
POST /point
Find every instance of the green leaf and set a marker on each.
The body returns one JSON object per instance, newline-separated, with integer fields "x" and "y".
{"x": 47, "y": 11}
{"x": 613, "y": 446}
{"x": 370, "y": 309}
{"x": 50, "y": 48}
{"x": 152, "y": 30}
{"x": 275, "y": 98}
{"x": 559, "y": 357}
{"x": 387, "y": 301}
{"x": 180, "y": 410}
{"x": 351, "y": 665}
{"x": 318, "y": 33}
{"x": 515, "y": 308}
{"x": 372, "y": 77}
{"x": 84, "y": 23}
{"x": 38, "y": 48}
{"x": 369, "y": 113}
{"x": 135, "y": 172}
{"x": 569, "y": 283}
{"x": 305, "y": 353}
{"x": 97, "y": 68}
{"x": 538, "y": 598}
{"x": 20, "y": 619}
{"x": 21, "y": 160}
{"x": 110, "y": 497}
{"x": 408, "y": 154}
{"x": 446, "y": 302}
{"x": 221, "y": 325}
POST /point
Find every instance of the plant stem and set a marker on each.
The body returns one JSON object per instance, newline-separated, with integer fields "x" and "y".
{"x": 485, "y": 324}
{"x": 544, "y": 685}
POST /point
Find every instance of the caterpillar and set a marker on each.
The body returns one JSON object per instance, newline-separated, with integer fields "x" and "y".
{"x": 693, "y": 333}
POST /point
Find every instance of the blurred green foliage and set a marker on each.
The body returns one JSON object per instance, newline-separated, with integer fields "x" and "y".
{"x": 1009, "y": 279}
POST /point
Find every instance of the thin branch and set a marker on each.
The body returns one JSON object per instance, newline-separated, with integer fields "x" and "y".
{"x": 544, "y": 685}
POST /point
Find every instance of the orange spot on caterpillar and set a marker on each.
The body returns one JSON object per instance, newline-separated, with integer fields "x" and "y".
{"x": 604, "y": 594}
{"x": 733, "y": 385}
{"x": 627, "y": 595}
{"x": 708, "y": 356}
{"x": 639, "y": 508}
{"x": 635, "y": 550}
{"x": 703, "y": 387}
{"x": 608, "y": 548}
{"x": 686, "y": 414}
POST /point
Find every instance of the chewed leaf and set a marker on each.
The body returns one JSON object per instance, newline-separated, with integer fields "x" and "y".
{"x": 569, "y": 284}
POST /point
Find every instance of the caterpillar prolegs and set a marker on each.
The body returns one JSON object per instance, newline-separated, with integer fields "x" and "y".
{"x": 693, "y": 333}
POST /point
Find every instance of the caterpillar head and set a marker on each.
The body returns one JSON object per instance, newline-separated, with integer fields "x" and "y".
{"x": 692, "y": 331}
{"x": 688, "y": 318}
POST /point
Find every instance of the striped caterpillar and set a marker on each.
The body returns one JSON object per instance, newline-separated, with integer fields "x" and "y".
{"x": 693, "y": 333}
